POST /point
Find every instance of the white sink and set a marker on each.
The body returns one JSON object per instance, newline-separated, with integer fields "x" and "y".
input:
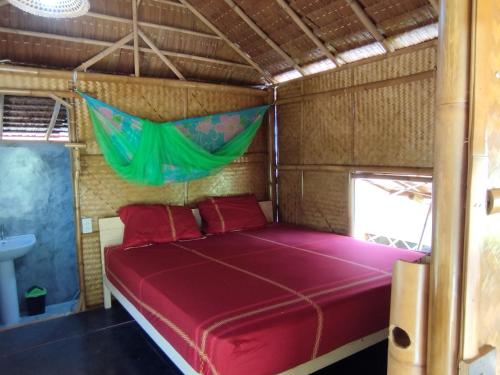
{"x": 16, "y": 246}
{"x": 11, "y": 248}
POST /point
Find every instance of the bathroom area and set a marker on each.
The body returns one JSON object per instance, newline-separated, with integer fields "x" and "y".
{"x": 37, "y": 232}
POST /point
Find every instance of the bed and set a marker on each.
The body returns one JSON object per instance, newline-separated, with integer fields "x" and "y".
{"x": 280, "y": 299}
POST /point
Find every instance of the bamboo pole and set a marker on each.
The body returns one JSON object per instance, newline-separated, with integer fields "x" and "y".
{"x": 152, "y": 25}
{"x": 413, "y": 171}
{"x": 119, "y": 44}
{"x": 450, "y": 158}
{"x": 263, "y": 35}
{"x": 60, "y": 100}
{"x": 37, "y": 93}
{"x": 368, "y": 23}
{"x": 364, "y": 86}
{"x": 237, "y": 49}
{"x": 162, "y": 57}
{"x": 53, "y": 120}
{"x": 271, "y": 152}
{"x": 137, "y": 68}
{"x": 63, "y": 38}
{"x": 298, "y": 21}
{"x": 2, "y": 101}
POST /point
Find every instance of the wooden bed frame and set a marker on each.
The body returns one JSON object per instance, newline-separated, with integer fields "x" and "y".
{"x": 111, "y": 233}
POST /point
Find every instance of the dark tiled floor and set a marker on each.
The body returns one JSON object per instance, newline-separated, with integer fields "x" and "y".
{"x": 109, "y": 342}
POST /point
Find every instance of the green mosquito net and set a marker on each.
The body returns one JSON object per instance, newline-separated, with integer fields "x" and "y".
{"x": 149, "y": 153}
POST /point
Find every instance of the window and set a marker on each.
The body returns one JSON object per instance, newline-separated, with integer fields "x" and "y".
{"x": 33, "y": 118}
{"x": 393, "y": 210}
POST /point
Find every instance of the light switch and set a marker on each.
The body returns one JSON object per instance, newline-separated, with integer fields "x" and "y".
{"x": 86, "y": 225}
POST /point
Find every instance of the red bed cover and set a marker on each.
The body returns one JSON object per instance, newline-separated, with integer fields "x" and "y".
{"x": 259, "y": 301}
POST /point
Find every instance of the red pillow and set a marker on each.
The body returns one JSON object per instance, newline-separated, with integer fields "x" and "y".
{"x": 225, "y": 214}
{"x": 146, "y": 224}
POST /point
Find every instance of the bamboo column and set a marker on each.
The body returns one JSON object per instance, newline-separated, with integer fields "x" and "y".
{"x": 450, "y": 172}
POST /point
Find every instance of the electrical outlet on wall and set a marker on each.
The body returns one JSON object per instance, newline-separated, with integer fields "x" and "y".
{"x": 86, "y": 225}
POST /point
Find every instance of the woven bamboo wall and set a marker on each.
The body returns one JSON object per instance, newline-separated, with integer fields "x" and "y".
{"x": 377, "y": 113}
{"x": 102, "y": 192}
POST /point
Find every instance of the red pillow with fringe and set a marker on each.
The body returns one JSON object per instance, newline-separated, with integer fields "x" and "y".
{"x": 226, "y": 214}
{"x": 147, "y": 224}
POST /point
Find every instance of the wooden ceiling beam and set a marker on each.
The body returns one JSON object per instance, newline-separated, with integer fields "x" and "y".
{"x": 113, "y": 47}
{"x": 171, "y": 3}
{"x": 95, "y": 42}
{"x": 263, "y": 35}
{"x": 298, "y": 21}
{"x": 368, "y": 23}
{"x": 237, "y": 49}
{"x": 162, "y": 57}
{"x": 435, "y": 5}
{"x": 135, "y": 28}
{"x": 53, "y": 120}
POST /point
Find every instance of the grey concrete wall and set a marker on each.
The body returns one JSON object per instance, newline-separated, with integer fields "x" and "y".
{"x": 36, "y": 196}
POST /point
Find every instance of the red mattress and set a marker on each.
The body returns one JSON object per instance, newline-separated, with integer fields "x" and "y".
{"x": 259, "y": 301}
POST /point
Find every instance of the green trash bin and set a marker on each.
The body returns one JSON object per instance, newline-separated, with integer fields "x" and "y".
{"x": 35, "y": 300}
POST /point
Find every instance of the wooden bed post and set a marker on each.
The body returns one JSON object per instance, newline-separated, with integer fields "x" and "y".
{"x": 450, "y": 176}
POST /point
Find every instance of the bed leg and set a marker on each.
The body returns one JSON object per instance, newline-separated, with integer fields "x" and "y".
{"x": 107, "y": 297}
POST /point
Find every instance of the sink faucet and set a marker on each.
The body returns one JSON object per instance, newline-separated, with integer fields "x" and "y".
{"x": 2, "y": 234}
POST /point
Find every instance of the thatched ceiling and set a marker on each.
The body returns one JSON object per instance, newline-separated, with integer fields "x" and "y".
{"x": 257, "y": 38}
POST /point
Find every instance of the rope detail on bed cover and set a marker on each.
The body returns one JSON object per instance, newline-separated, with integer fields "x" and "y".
{"x": 144, "y": 152}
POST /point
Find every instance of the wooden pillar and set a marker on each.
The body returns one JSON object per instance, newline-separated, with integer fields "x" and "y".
{"x": 450, "y": 177}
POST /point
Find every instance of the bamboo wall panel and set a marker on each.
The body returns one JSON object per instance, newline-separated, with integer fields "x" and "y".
{"x": 394, "y": 124}
{"x": 328, "y": 81}
{"x": 401, "y": 65}
{"x": 333, "y": 121}
{"x": 289, "y": 136}
{"x": 101, "y": 191}
{"x": 327, "y": 130}
{"x": 290, "y": 197}
{"x": 324, "y": 203}
{"x": 238, "y": 178}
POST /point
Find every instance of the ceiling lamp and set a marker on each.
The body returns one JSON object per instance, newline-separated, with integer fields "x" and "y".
{"x": 53, "y": 8}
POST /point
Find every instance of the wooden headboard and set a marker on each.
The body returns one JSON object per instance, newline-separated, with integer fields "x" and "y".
{"x": 111, "y": 228}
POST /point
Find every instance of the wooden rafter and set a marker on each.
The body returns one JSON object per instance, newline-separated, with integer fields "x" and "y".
{"x": 153, "y": 25}
{"x": 101, "y": 43}
{"x": 162, "y": 57}
{"x": 2, "y": 100}
{"x": 137, "y": 70}
{"x": 263, "y": 35}
{"x": 435, "y": 5}
{"x": 368, "y": 23}
{"x": 237, "y": 49}
{"x": 298, "y": 21}
{"x": 60, "y": 100}
{"x": 53, "y": 120}
{"x": 113, "y": 47}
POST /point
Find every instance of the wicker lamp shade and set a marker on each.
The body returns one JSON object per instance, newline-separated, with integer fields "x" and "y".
{"x": 53, "y": 8}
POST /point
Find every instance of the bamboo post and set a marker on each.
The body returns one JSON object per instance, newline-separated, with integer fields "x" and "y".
{"x": 2, "y": 101}
{"x": 450, "y": 154}
{"x": 271, "y": 152}
{"x": 53, "y": 120}
{"x": 137, "y": 70}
